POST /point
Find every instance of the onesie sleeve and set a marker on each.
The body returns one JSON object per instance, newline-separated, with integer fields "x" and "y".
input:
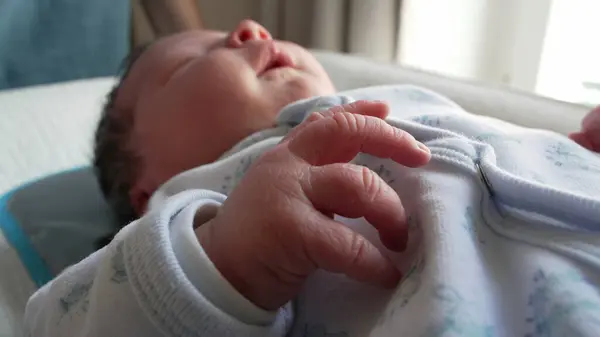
{"x": 141, "y": 285}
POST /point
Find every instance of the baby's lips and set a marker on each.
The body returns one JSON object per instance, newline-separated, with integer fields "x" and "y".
{"x": 284, "y": 59}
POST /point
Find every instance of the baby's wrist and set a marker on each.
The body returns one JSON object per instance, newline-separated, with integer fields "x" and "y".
{"x": 207, "y": 278}
{"x": 227, "y": 261}
{"x": 238, "y": 268}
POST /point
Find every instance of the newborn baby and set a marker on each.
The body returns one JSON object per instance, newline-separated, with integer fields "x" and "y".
{"x": 270, "y": 205}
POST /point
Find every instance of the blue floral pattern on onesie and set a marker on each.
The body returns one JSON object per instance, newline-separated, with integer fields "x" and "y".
{"x": 561, "y": 305}
{"x": 457, "y": 317}
{"x": 77, "y": 297}
{"x": 231, "y": 180}
{"x": 433, "y": 121}
{"x": 565, "y": 155}
{"x": 471, "y": 226}
{"x": 118, "y": 265}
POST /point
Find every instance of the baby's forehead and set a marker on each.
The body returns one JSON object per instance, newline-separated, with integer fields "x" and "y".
{"x": 157, "y": 62}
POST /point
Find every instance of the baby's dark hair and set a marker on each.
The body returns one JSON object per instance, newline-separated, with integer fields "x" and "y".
{"x": 115, "y": 162}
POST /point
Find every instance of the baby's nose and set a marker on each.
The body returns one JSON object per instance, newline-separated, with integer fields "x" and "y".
{"x": 248, "y": 30}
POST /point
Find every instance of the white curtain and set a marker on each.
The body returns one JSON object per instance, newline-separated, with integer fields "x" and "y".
{"x": 492, "y": 41}
{"x": 363, "y": 27}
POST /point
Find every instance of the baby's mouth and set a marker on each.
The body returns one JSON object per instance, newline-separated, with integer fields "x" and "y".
{"x": 279, "y": 59}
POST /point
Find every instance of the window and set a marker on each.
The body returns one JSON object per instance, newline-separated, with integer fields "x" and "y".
{"x": 570, "y": 61}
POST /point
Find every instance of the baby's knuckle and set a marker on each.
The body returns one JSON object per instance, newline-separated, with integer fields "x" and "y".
{"x": 357, "y": 248}
{"x": 371, "y": 184}
{"x": 334, "y": 109}
{"x": 348, "y": 122}
{"x": 397, "y": 133}
{"x": 380, "y": 127}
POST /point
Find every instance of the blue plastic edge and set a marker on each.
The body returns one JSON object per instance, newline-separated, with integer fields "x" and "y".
{"x": 16, "y": 237}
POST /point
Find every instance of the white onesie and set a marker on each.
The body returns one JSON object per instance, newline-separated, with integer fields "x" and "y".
{"x": 504, "y": 241}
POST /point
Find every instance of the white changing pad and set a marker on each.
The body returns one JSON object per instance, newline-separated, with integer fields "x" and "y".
{"x": 49, "y": 128}
{"x": 46, "y": 129}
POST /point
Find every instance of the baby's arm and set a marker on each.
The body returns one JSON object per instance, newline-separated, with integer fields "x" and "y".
{"x": 152, "y": 280}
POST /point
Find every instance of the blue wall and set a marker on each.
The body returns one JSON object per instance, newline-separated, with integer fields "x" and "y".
{"x": 45, "y": 41}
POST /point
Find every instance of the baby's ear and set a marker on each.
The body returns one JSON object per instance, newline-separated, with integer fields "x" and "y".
{"x": 139, "y": 198}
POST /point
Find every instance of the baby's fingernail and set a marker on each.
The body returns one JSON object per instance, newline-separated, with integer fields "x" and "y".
{"x": 423, "y": 147}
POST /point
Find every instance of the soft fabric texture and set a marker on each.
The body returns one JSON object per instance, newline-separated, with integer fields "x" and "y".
{"x": 504, "y": 235}
{"x": 60, "y": 40}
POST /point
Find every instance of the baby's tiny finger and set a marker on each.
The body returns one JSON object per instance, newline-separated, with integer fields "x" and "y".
{"x": 341, "y": 137}
{"x": 338, "y": 249}
{"x": 354, "y": 191}
{"x": 376, "y": 109}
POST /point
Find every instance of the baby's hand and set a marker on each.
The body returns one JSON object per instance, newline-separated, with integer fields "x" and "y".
{"x": 276, "y": 228}
{"x": 589, "y": 136}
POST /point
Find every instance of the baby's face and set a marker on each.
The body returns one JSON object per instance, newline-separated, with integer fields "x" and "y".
{"x": 195, "y": 94}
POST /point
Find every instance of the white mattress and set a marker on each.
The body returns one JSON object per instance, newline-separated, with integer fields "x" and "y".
{"x": 47, "y": 129}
